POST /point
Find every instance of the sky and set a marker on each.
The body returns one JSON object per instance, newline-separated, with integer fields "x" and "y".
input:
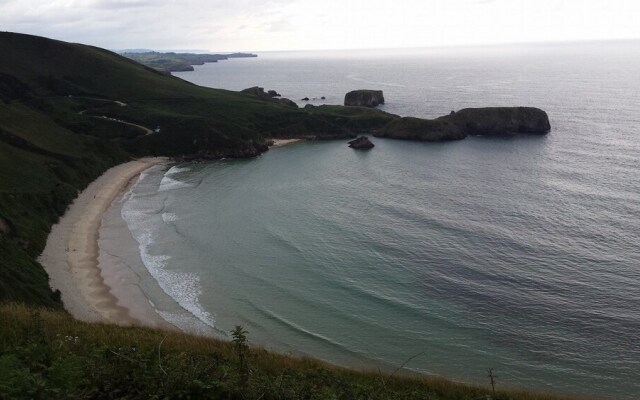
{"x": 262, "y": 25}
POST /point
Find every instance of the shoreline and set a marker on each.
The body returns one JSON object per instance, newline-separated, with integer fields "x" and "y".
{"x": 283, "y": 142}
{"x": 71, "y": 255}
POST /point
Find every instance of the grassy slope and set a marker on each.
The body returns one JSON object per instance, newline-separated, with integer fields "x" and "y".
{"x": 46, "y": 354}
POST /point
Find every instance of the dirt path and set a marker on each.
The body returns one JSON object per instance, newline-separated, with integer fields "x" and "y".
{"x": 147, "y": 131}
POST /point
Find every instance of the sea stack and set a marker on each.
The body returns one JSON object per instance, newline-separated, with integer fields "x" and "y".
{"x": 501, "y": 121}
{"x": 361, "y": 143}
{"x": 364, "y": 98}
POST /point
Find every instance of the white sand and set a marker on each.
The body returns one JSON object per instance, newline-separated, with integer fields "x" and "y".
{"x": 283, "y": 142}
{"x": 71, "y": 256}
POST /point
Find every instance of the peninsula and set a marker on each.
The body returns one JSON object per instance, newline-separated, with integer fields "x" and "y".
{"x": 177, "y": 62}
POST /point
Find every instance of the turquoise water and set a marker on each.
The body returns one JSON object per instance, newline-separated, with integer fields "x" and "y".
{"x": 519, "y": 254}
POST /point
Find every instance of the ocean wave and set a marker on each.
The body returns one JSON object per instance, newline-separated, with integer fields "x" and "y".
{"x": 169, "y": 217}
{"x": 176, "y": 170}
{"x": 183, "y": 287}
{"x": 169, "y": 183}
{"x": 304, "y": 331}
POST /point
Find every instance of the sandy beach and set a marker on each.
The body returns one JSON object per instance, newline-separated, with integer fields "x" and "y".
{"x": 283, "y": 142}
{"x": 71, "y": 256}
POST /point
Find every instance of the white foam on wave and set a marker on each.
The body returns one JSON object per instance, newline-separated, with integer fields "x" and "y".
{"x": 176, "y": 170}
{"x": 169, "y": 217}
{"x": 169, "y": 183}
{"x": 183, "y": 287}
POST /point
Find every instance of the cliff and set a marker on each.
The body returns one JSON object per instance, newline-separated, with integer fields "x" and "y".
{"x": 488, "y": 121}
{"x": 364, "y": 98}
{"x": 501, "y": 121}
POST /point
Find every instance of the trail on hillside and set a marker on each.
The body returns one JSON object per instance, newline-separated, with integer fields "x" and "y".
{"x": 147, "y": 131}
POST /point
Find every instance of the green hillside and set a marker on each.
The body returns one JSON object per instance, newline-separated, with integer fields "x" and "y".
{"x": 49, "y": 355}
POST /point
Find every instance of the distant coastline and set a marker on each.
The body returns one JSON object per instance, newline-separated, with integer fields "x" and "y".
{"x": 179, "y": 62}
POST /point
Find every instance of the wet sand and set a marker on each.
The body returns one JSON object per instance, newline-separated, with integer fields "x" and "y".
{"x": 97, "y": 288}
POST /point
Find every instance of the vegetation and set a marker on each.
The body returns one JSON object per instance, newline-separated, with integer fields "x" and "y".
{"x": 173, "y": 62}
{"x": 46, "y": 354}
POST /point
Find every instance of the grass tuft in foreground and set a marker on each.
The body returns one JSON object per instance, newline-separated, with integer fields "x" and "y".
{"x": 46, "y": 354}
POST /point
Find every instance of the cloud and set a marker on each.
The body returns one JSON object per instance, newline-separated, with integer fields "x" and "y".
{"x": 123, "y": 4}
{"x": 252, "y": 25}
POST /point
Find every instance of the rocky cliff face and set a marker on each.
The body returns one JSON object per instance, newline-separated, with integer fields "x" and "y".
{"x": 489, "y": 121}
{"x": 271, "y": 95}
{"x": 426, "y": 130}
{"x": 361, "y": 143}
{"x": 364, "y": 98}
{"x": 501, "y": 121}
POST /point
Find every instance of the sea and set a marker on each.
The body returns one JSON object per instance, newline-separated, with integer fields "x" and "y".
{"x": 520, "y": 254}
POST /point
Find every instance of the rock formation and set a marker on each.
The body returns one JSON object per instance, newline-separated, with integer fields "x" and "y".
{"x": 426, "y": 130}
{"x": 286, "y": 102}
{"x": 488, "y": 121}
{"x": 501, "y": 121}
{"x": 361, "y": 143}
{"x": 271, "y": 95}
{"x": 364, "y": 98}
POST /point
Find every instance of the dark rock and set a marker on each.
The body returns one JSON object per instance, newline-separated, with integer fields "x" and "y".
{"x": 245, "y": 150}
{"x": 335, "y": 136}
{"x": 286, "y": 102}
{"x": 305, "y": 99}
{"x": 361, "y": 143}
{"x": 364, "y": 98}
{"x": 501, "y": 121}
{"x": 489, "y": 121}
{"x": 322, "y": 98}
{"x": 409, "y": 128}
{"x": 259, "y": 92}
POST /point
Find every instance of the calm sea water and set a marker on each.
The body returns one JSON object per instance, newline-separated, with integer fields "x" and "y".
{"x": 520, "y": 254}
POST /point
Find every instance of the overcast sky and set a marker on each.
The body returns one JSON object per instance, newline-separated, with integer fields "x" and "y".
{"x": 256, "y": 25}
